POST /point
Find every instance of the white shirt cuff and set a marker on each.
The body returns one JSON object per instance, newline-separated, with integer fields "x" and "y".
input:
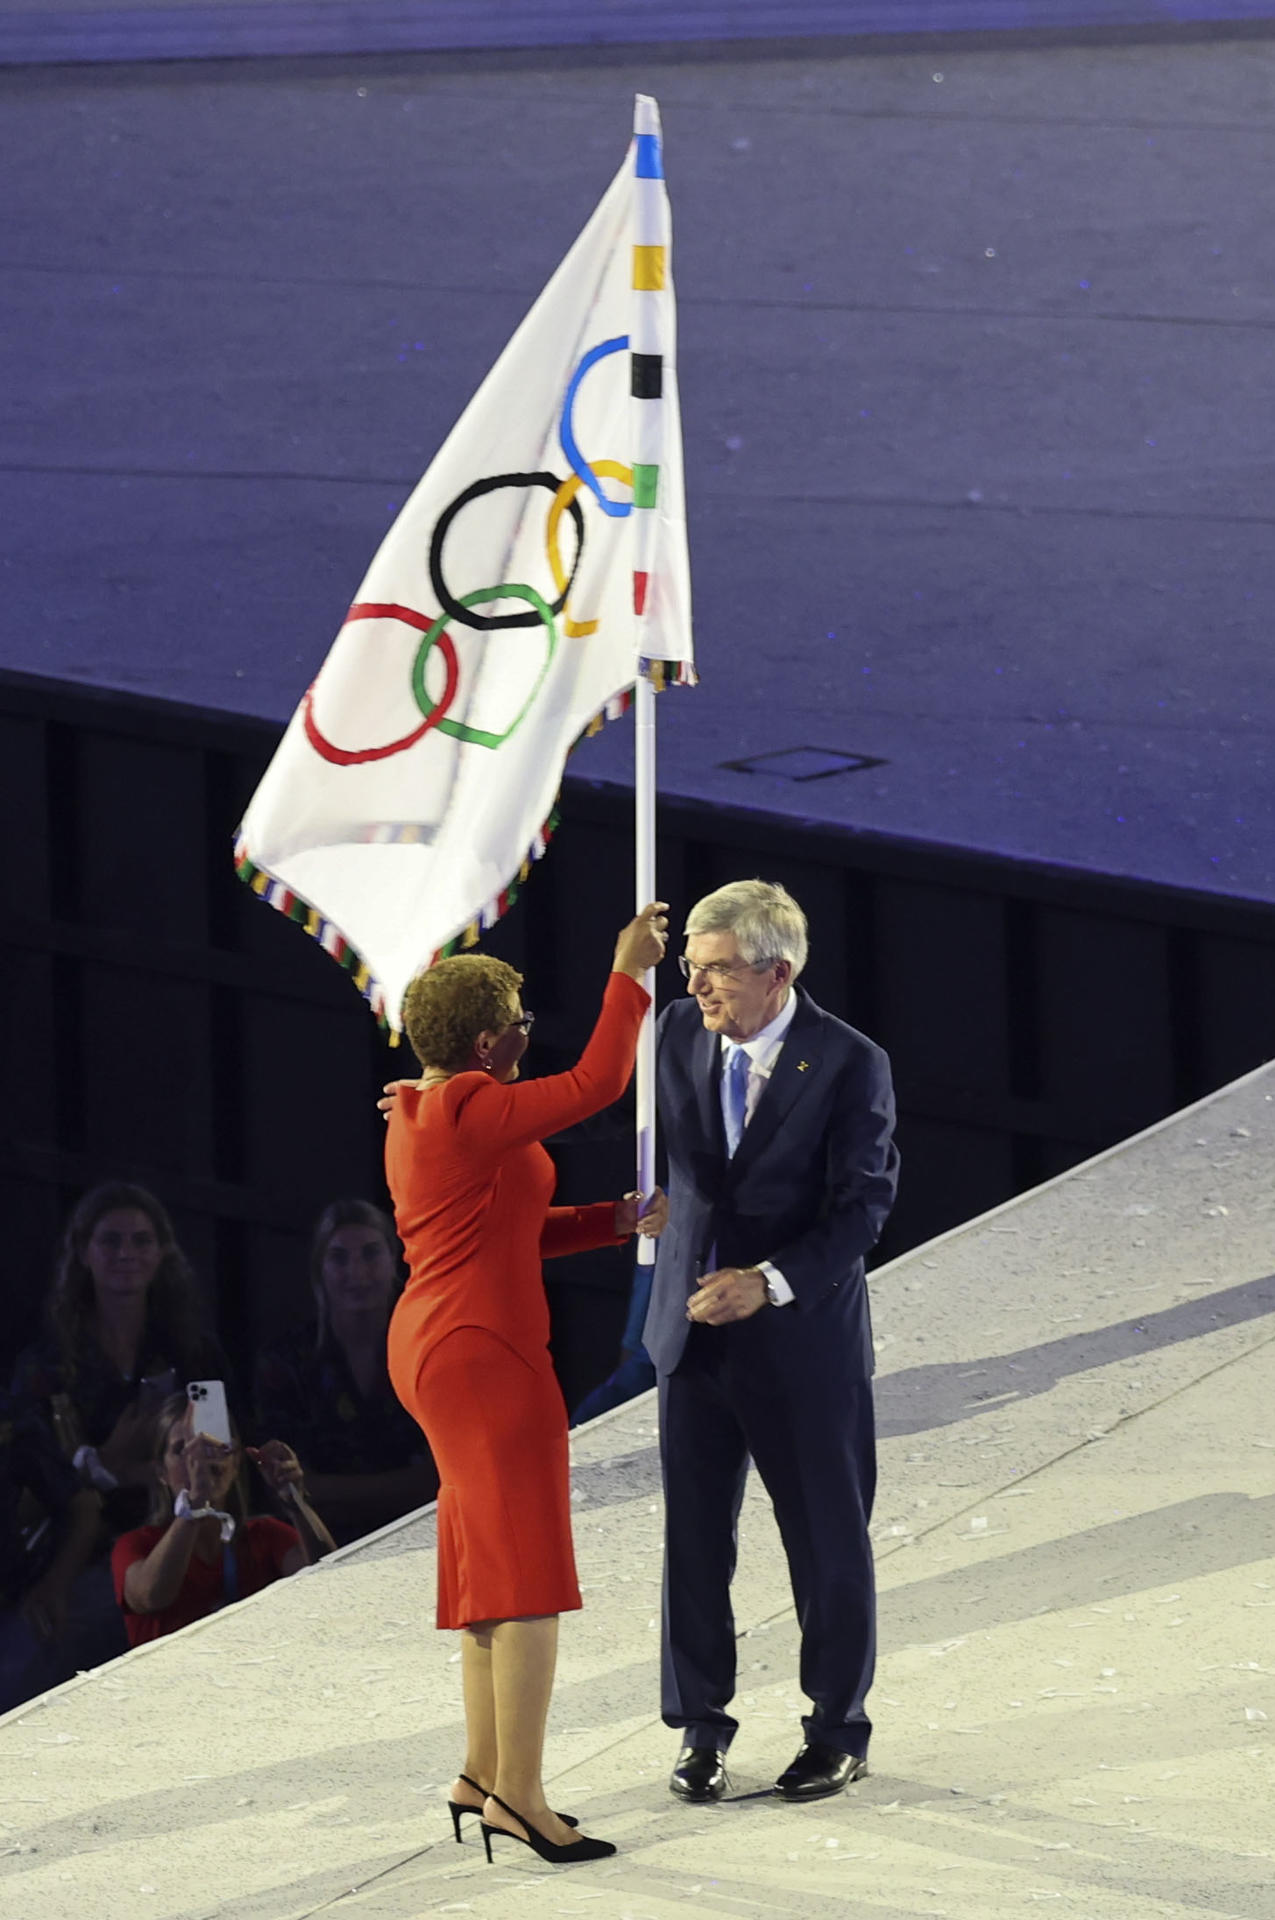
{"x": 776, "y": 1284}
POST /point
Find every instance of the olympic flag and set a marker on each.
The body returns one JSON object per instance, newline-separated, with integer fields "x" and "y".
{"x": 538, "y": 573}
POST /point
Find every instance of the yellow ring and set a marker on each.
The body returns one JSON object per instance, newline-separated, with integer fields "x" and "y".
{"x": 602, "y": 470}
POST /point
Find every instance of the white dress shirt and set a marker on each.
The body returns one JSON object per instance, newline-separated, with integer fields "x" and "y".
{"x": 763, "y": 1050}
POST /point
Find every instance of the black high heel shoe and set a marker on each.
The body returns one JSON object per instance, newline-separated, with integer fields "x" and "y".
{"x": 459, "y": 1808}
{"x": 584, "y": 1848}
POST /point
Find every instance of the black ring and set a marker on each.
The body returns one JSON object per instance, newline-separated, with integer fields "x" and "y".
{"x": 488, "y": 622}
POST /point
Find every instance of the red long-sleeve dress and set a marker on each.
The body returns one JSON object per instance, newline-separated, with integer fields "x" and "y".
{"x": 468, "y": 1341}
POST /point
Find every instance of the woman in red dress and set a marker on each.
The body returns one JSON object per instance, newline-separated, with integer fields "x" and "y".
{"x": 468, "y": 1342}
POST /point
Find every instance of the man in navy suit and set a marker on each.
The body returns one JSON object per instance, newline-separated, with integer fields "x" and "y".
{"x": 778, "y": 1121}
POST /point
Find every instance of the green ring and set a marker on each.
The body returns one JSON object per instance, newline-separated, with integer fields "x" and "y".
{"x": 477, "y": 736}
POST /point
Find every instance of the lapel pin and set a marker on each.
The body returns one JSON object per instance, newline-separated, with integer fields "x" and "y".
{"x": 802, "y": 1065}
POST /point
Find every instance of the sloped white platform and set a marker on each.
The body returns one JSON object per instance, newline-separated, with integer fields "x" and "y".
{"x": 1076, "y": 1697}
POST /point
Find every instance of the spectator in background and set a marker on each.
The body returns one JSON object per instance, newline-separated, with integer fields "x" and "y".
{"x": 48, "y": 1527}
{"x": 125, "y": 1328}
{"x": 328, "y": 1393}
{"x": 200, "y": 1551}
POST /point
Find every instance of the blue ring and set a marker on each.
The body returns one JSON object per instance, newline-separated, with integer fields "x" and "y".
{"x": 617, "y": 509}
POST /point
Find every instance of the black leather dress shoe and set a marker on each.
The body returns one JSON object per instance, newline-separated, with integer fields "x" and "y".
{"x": 818, "y": 1771}
{"x": 700, "y": 1774}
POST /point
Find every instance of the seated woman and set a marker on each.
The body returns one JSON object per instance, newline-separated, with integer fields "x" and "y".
{"x": 200, "y": 1551}
{"x": 125, "y": 1329}
{"x": 365, "y": 1459}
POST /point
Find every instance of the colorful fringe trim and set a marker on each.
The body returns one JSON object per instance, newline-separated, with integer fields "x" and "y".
{"x": 668, "y": 673}
{"x": 276, "y": 894}
{"x": 268, "y": 887}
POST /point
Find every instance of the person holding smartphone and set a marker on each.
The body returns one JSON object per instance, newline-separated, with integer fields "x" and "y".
{"x": 200, "y": 1549}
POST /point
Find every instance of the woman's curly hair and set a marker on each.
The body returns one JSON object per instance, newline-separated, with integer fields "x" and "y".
{"x": 446, "y": 1008}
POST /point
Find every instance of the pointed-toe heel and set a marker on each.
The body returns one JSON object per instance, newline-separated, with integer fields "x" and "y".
{"x": 459, "y": 1808}
{"x": 585, "y": 1848}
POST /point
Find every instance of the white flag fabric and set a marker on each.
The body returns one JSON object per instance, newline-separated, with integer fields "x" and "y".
{"x": 538, "y": 566}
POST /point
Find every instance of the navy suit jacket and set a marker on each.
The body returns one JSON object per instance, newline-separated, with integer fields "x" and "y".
{"x": 809, "y": 1188}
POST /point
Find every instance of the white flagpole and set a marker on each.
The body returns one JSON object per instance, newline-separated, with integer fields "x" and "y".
{"x": 644, "y": 849}
{"x": 647, "y": 334}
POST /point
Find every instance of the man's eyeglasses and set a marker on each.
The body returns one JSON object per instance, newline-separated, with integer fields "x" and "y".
{"x": 524, "y": 1023}
{"x": 715, "y": 969}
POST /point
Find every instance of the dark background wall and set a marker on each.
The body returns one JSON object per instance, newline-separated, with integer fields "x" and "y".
{"x": 161, "y": 1024}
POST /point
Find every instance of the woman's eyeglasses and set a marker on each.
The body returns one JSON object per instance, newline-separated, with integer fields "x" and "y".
{"x": 524, "y": 1023}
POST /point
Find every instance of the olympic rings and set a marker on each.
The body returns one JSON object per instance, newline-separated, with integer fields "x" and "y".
{"x": 434, "y": 714}
{"x": 457, "y": 729}
{"x": 612, "y": 469}
{"x": 484, "y": 622}
{"x": 614, "y": 509}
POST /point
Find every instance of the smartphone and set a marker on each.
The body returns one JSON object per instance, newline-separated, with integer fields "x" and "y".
{"x": 209, "y": 1413}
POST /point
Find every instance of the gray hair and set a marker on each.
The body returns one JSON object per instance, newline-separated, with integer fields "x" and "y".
{"x": 766, "y": 921}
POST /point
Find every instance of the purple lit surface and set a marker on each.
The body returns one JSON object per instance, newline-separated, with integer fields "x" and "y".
{"x": 976, "y": 380}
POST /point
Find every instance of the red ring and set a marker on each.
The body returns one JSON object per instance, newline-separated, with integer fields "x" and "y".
{"x": 353, "y": 757}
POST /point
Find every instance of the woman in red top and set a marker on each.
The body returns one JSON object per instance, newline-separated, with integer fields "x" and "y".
{"x": 181, "y": 1567}
{"x": 468, "y": 1342}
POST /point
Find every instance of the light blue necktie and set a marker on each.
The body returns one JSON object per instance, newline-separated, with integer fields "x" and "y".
{"x": 735, "y": 1096}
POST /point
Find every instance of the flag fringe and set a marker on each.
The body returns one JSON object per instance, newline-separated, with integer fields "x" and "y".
{"x": 668, "y": 673}
{"x": 285, "y": 900}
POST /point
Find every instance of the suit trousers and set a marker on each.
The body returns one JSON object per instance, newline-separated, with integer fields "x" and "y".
{"x": 813, "y": 1443}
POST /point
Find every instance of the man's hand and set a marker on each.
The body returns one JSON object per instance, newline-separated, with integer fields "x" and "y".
{"x": 385, "y": 1107}
{"x": 650, "y": 1220}
{"x": 733, "y": 1293}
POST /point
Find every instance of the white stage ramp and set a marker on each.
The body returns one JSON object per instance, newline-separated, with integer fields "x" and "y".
{"x": 1075, "y": 1702}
